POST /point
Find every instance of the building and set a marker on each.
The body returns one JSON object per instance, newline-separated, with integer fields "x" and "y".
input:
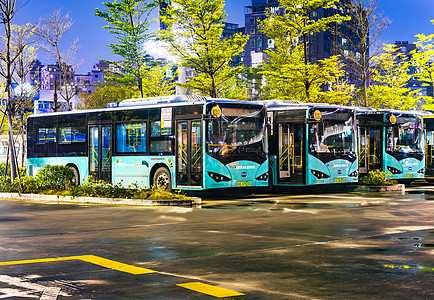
{"x": 34, "y": 75}
{"x": 414, "y": 83}
{"x": 321, "y": 45}
{"x": 52, "y": 73}
{"x": 254, "y": 51}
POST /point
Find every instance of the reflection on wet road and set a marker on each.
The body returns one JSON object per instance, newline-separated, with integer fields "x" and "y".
{"x": 332, "y": 246}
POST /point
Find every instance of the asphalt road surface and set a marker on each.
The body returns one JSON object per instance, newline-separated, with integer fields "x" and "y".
{"x": 332, "y": 246}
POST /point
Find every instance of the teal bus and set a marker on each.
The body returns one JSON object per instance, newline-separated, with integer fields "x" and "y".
{"x": 392, "y": 141}
{"x": 311, "y": 144}
{"x": 172, "y": 142}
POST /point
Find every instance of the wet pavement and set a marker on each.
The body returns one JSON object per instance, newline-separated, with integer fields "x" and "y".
{"x": 332, "y": 246}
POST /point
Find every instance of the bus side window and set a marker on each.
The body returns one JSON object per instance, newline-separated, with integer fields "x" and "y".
{"x": 41, "y": 136}
{"x": 131, "y": 138}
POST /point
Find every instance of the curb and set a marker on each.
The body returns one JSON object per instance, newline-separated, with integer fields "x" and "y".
{"x": 95, "y": 200}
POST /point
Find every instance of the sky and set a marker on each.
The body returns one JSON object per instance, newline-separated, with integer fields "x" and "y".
{"x": 408, "y": 19}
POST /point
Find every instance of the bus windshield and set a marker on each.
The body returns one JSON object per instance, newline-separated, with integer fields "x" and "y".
{"x": 333, "y": 135}
{"x": 405, "y": 138}
{"x": 237, "y": 133}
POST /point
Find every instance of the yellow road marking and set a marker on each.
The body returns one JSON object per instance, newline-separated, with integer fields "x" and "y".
{"x": 209, "y": 289}
{"x": 96, "y": 260}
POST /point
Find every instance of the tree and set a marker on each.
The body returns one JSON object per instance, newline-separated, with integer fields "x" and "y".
{"x": 8, "y": 55}
{"x": 51, "y": 31}
{"x": 194, "y": 35}
{"x": 128, "y": 21}
{"x": 106, "y": 92}
{"x": 289, "y": 73}
{"x": 391, "y": 77}
{"x": 159, "y": 81}
{"x": 24, "y": 93}
{"x": 253, "y": 80}
{"x": 362, "y": 33}
{"x": 423, "y": 61}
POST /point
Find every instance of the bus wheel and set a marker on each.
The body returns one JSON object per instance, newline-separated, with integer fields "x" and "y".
{"x": 162, "y": 180}
{"x": 76, "y": 177}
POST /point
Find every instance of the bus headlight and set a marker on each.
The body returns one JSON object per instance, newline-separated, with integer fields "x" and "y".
{"x": 394, "y": 171}
{"x": 319, "y": 175}
{"x": 218, "y": 177}
{"x": 421, "y": 171}
{"x": 263, "y": 177}
{"x": 353, "y": 174}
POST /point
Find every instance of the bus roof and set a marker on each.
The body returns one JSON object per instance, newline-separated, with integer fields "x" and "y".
{"x": 292, "y": 104}
{"x": 154, "y": 102}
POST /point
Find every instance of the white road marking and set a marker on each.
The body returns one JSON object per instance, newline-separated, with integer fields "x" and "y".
{"x": 50, "y": 293}
{"x": 26, "y": 289}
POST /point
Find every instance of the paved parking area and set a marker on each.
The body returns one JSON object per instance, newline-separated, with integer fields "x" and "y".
{"x": 333, "y": 246}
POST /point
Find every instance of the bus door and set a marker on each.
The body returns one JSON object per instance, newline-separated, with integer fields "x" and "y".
{"x": 291, "y": 153}
{"x": 189, "y": 161}
{"x": 100, "y": 154}
{"x": 364, "y": 142}
{"x": 429, "y": 152}
{"x": 375, "y": 148}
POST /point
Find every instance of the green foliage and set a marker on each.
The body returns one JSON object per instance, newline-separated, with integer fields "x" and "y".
{"x": 391, "y": 78}
{"x": 128, "y": 22}
{"x": 194, "y": 35}
{"x": 57, "y": 180}
{"x": 422, "y": 59}
{"x": 3, "y": 167}
{"x": 55, "y": 177}
{"x": 288, "y": 72}
{"x": 377, "y": 178}
{"x": 107, "y": 92}
{"x": 99, "y": 188}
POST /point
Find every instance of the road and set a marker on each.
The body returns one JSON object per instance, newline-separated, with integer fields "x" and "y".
{"x": 333, "y": 246}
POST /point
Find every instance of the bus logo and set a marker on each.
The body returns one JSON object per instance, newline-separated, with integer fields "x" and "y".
{"x": 216, "y": 112}
{"x": 392, "y": 119}
{"x": 317, "y": 115}
{"x": 244, "y": 174}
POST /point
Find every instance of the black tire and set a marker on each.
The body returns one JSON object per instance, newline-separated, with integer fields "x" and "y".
{"x": 162, "y": 180}
{"x": 76, "y": 177}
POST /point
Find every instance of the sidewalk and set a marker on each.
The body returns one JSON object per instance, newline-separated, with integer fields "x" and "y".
{"x": 95, "y": 200}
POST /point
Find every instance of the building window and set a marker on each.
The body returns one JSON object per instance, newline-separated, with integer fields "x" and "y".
{"x": 252, "y": 43}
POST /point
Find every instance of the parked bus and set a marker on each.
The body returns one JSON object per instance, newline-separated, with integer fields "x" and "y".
{"x": 311, "y": 144}
{"x": 392, "y": 141}
{"x": 178, "y": 142}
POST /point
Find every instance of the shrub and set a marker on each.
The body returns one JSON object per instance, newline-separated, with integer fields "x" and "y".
{"x": 22, "y": 171}
{"x": 57, "y": 180}
{"x": 378, "y": 178}
{"x": 55, "y": 177}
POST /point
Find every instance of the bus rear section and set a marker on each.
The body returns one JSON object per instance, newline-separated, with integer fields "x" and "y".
{"x": 392, "y": 141}
{"x": 312, "y": 144}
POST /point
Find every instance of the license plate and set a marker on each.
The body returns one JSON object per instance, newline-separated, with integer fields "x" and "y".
{"x": 339, "y": 180}
{"x": 410, "y": 175}
{"x": 244, "y": 183}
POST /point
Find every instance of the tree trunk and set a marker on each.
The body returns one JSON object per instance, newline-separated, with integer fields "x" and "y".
{"x": 12, "y": 156}
{"x": 55, "y": 107}
{"x": 23, "y": 143}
